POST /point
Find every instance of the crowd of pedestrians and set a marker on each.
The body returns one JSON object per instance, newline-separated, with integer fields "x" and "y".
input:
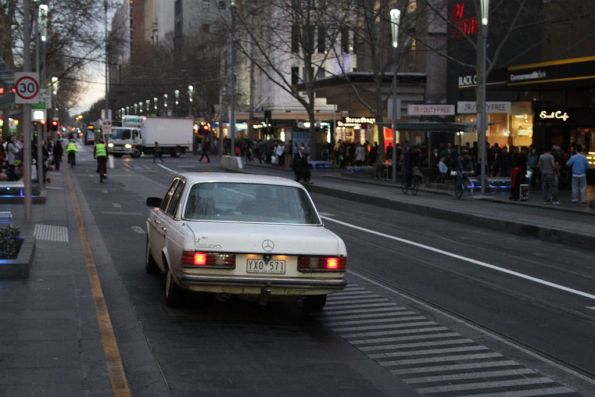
{"x": 12, "y": 157}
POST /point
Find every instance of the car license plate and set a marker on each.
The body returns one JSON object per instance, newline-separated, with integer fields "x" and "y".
{"x": 261, "y": 266}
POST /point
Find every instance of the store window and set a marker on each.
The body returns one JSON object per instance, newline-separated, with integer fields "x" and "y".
{"x": 521, "y": 124}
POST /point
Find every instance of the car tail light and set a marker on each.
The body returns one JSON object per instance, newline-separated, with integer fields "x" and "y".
{"x": 322, "y": 263}
{"x": 208, "y": 260}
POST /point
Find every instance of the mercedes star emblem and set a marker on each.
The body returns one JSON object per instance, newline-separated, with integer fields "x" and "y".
{"x": 268, "y": 245}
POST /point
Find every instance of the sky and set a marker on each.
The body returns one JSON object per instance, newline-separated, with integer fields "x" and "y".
{"x": 92, "y": 88}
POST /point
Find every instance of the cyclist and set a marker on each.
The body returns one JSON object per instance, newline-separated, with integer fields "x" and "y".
{"x": 71, "y": 150}
{"x": 410, "y": 162}
{"x": 464, "y": 167}
{"x": 100, "y": 154}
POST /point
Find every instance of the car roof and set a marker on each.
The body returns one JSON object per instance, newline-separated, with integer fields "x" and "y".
{"x": 197, "y": 177}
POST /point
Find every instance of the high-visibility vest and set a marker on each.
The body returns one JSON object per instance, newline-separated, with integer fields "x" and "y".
{"x": 71, "y": 147}
{"x": 100, "y": 150}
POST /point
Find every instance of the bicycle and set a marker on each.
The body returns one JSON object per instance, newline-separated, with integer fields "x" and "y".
{"x": 413, "y": 185}
{"x": 102, "y": 168}
{"x": 462, "y": 181}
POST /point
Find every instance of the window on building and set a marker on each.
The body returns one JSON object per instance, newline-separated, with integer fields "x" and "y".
{"x": 295, "y": 75}
{"x": 309, "y": 39}
{"x": 295, "y": 39}
{"x": 206, "y": 4}
{"x": 320, "y": 73}
{"x": 321, "y": 39}
{"x": 345, "y": 39}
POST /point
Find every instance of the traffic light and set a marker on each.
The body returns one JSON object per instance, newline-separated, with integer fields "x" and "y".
{"x": 53, "y": 126}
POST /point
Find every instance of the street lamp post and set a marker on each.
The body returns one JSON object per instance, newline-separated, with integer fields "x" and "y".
{"x": 232, "y": 71}
{"x": 481, "y": 91}
{"x": 395, "y": 19}
{"x": 190, "y": 99}
{"x": 27, "y": 200}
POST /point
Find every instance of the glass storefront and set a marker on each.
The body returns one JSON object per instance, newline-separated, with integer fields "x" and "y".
{"x": 506, "y": 129}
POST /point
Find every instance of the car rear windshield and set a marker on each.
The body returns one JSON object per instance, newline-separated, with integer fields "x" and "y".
{"x": 250, "y": 202}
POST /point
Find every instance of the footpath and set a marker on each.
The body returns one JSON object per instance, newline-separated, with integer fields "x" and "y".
{"x": 50, "y": 340}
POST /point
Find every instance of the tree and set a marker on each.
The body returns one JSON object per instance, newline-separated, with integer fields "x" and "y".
{"x": 287, "y": 44}
{"x": 72, "y": 43}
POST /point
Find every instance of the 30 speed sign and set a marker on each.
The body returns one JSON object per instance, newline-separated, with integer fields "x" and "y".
{"x": 27, "y": 87}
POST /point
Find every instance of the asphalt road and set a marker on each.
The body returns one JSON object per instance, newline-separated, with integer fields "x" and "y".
{"x": 434, "y": 308}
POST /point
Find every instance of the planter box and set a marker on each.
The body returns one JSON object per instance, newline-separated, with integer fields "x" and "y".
{"x": 18, "y": 268}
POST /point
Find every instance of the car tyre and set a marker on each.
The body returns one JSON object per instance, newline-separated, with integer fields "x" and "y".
{"x": 173, "y": 292}
{"x": 150, "y": 264}
{"x": 314, "y": 303}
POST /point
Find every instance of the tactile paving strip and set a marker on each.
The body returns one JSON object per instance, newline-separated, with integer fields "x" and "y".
{"x": 51, "y": 233}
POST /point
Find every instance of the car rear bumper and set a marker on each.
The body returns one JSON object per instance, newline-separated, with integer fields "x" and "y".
{"x": 247, "y": 284}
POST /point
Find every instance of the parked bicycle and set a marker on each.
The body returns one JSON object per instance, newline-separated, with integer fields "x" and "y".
{"x": 412, "y": 185}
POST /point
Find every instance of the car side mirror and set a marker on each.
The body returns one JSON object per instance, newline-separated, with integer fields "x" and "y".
{"x": 154, "y": 201}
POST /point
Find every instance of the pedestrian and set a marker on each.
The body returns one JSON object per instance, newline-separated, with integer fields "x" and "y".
{"x": 71, "y": 150}
{"x": 57, "y": 152}
{"x": 360, "y": 155}
{"x": 549, "y": 177}
{"x": 300, "y": 165}
{"x": 579, "y": 164}
{"x": 442, "y": 169}
{"x": 12, "y": 152}
{"x": 280, "y": 153}
{"x": 157, "y": 154}
{"x": 100, "y": 153}
{"x": 206, "y": 146}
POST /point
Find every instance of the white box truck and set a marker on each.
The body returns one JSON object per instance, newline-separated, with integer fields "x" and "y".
{"x": 138, "y": 135}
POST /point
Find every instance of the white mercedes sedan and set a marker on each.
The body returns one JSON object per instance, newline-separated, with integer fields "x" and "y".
{"x": 239, "y": 234}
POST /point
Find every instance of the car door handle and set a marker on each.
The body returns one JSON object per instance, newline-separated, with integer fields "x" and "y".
{"x": 164, "y": 229}
{"x": 157, "y": 222}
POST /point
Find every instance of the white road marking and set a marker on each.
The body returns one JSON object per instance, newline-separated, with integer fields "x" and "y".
{"x": 591, "y": 307}
{"x": 117, "y": 205}
{"x": 455, "y": 367}
{"x": 167, "y": 169}
{"x": 470, "y": 260}
{"x": 485, "y": 385}
{"x": 418, "y": 334}
{"x": 416, "y": 344}
{"x": 472, "y": 375}
{"x": 428, "y": 351}
{"x": 440, "y": 359}
{"x": 104, "y": 191}
{"x": 138, "y": 229}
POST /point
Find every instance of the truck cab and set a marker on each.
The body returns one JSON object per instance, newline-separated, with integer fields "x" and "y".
{"x": 125, "y": 140}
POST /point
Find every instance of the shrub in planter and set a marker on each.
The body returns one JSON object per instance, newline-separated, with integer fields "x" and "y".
{"x": 10, "y": 242}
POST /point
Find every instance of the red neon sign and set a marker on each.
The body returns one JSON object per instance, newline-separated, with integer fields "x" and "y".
{"x": 462, "y": 25}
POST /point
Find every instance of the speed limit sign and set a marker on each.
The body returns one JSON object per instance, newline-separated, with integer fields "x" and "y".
{"x": 27, "y": 87}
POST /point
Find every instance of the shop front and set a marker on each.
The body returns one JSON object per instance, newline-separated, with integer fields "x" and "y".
{"x": 509, "y": 123}
{"x": 355, "y": 129}
{"x": 565, "y": 128}
{"x": 563, "y": 101}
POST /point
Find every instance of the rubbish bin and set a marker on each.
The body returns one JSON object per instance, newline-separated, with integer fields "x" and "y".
{"x": 524, "y": 192}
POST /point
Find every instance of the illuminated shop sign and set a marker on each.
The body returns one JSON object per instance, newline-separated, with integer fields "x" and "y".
{"x": 356, "y": 122}
{"x": 430, "y": 110}
{"x": 469, "y": 80}
{"x": 554, "y": 114}
{"x": 470, "y": 107}
{"x": 559, "y": 70}
{"x": 525, "y": 76}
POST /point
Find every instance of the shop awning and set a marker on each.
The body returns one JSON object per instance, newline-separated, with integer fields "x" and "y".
{"x": 433, "y": 126}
